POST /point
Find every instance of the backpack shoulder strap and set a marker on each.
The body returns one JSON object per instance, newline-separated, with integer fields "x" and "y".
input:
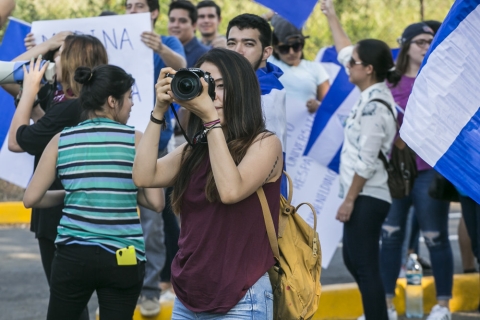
{"x": 267, "y": 216}
{"x": 389, "y": 107}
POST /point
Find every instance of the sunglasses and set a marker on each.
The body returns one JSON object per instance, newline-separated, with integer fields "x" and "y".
{"x": 285, "y": 48}
{"x": 352, "y": 62}
{"x": 422, "y": 43}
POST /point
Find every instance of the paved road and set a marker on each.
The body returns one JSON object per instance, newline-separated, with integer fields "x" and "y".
{"x": 24, "y": 291}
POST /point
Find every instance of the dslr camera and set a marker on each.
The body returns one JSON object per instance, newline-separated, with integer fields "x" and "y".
{"x": 186, "y": 83}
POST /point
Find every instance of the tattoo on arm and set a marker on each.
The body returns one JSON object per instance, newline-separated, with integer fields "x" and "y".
{"x": 270, "y": 174}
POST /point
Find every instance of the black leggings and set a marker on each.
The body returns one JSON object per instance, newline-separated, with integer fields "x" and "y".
{"x": 361, "y": 235}
{"x": 47, "y": 253}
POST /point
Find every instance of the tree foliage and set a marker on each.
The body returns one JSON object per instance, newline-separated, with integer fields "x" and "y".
{"x": 381, "y": 19}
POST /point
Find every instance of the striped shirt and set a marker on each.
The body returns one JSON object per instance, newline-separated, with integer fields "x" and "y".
{"x": 95, "y": 160}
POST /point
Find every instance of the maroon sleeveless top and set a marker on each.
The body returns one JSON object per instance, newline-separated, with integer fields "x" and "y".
{"x": 223, "y": 249}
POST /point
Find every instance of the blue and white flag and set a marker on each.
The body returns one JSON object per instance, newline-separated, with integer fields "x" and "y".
{"x": 442, "y": 117}
{"x": 273, "y": 101}
{"x": 326, "y": 138}
{"x": 14, "y": 167}
{"x": 11, "y": 47}
{"x": 297, "y": 12}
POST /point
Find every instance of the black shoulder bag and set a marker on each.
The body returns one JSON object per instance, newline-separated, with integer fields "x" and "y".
{"x": 402, "y": 166}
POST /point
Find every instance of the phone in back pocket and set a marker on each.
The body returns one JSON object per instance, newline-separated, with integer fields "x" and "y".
{"x": 126, "y": 256}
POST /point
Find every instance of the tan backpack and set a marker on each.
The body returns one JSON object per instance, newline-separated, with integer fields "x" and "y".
{"x": 295, "y": 277}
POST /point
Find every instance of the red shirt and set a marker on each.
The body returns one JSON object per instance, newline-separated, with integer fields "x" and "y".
{"x": 223, "y": 249}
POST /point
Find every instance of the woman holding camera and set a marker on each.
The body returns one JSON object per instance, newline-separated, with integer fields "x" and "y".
{"x": 220, "y": 270}
{"x": 59, "y": 109}
{"x": 93, "y": 161}
{"x": 369, "y": 131}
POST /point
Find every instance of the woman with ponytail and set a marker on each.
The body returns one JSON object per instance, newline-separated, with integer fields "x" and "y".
{"x": 369, "y": 131}
{"x": 51, "y": 109}
{"x": 93, "y": 161}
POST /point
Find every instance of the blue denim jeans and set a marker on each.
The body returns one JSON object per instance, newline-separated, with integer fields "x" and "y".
{"x": 471, "y": 215}
{"x": 257, "y": 304}
{"x": 432, "y": 215}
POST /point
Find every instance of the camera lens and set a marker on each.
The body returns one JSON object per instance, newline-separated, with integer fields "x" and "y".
{"x": 186, "y": 85}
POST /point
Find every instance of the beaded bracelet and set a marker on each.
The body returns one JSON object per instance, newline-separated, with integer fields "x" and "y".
{"x": 211, "y": 123}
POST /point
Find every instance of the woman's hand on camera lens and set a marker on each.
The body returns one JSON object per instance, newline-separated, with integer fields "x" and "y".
{"x": 163, "y": 91}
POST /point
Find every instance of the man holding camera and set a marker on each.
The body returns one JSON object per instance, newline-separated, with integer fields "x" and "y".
{"x": 168, "y": 51}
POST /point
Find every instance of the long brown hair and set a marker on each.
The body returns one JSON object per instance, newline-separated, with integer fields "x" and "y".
{"x": 402, "y": 63}
{"x": 243, "y": 119}
{"x": 80, "y": 50}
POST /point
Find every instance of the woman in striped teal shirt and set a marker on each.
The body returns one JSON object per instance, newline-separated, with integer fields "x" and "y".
{"x": 94, "y": 163}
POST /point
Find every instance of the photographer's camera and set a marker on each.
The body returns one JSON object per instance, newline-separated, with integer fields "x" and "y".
{"x": 186, "y": 84}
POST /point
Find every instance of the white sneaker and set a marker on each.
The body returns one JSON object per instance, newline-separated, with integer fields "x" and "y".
{"x": 392, "y": 314}
{"x": 439, "y": 313}
{"x": 167, "y": 296}
{"x": 149, "y": 307}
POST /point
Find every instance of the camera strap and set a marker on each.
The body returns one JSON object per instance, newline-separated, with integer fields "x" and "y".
{"x": 181, "y": 128}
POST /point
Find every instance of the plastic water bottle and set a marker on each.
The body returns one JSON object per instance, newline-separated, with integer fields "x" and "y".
{"x": 414, "y": 290}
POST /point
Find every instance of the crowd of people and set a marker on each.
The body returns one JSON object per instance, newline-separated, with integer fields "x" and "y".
{"x": 199, "y": 237}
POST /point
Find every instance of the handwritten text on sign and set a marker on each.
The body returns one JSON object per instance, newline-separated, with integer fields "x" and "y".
{"x": 121, "y": 37}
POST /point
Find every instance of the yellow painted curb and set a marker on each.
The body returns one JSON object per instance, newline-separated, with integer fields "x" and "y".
{"x": 343, "y": 301}
{"x": 14, "y": 213}
{"x": 340, "y": 301}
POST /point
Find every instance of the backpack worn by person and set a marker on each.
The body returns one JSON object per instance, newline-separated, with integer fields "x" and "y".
{"x": 402, "y": 166}
{"x": 295, "y": 277}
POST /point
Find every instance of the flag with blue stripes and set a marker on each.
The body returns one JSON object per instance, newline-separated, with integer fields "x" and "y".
{"x": 442, "y": 116}
{"x": 298, "y": 16}
{"x": 326, "y": 137}
{"x": 11, "y": 47}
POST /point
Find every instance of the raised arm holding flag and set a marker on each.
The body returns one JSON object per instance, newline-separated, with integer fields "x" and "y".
{"x": 442, "y": 115}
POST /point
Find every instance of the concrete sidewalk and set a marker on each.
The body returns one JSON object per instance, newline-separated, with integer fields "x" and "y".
{"x": 24, "y": 290}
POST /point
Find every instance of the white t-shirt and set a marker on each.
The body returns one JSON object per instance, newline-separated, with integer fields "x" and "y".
{"x": 301, "y": 81}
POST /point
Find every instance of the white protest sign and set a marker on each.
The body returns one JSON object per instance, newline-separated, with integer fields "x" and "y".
{"x": 16, "y": 168}
{"x": 121, "y": 37}
{"x": 312, "y": 182}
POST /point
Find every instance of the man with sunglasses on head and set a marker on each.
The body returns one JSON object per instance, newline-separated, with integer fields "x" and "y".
{"x": 251, "y": 36}
{"x": 304, "y": 80}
